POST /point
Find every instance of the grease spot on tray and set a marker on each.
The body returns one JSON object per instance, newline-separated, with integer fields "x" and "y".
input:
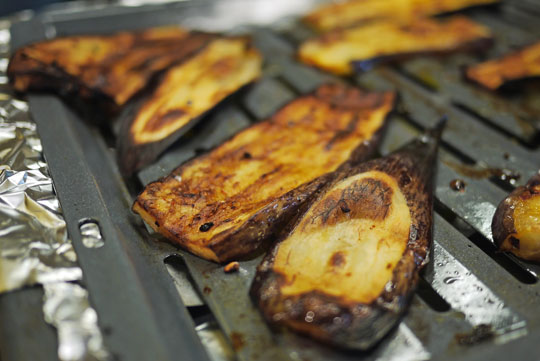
{"x": 237, "y": 340}
{"x": 478, "y": 334}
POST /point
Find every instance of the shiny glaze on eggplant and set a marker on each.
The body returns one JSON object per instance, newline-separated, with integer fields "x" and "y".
{"x": 516, "y": 223}
{"x": 223, "y": 204}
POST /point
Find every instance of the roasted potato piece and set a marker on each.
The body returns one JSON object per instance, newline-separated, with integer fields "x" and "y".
{"x": 352, "y": 12}
{"x": 344, "y": 271}
{"x": 103, "y": 70}
{"x": 359, "y": 48}
{"x": 493, "y": 74}
{"x": 222, "y": 205}
{"x": 516, "y": 223}
{"x": 186, "y": 92}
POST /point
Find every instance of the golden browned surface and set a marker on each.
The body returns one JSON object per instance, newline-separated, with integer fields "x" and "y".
{"x": 343, "y": 271}
{"x": 194, "y": 87}
{"x": 116, "y": 66}
{"x": 349, "y": 242}
{"x": 516, "y": 224}
{"x": 334, "y": 51}
{"x": 492, "y": 74}
{"x": 346, "y": 13}
{"x": 204, "y": 202}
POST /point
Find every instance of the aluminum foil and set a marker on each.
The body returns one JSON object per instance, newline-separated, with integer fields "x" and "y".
{"x": 66, "y": 307}
{"x": 34, "y": 246}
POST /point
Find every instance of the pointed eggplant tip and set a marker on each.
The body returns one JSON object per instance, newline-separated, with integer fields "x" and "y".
{"x": 435, "y": 133}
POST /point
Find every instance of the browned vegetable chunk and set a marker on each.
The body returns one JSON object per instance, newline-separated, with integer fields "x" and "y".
{"x": 359, "y": 48}
{"x": 346, "y": 13}
{"x": 107, "y": 70}
{"x": 493, "y": 74}
{"x": 224, "y": 204}
{"x": 186, "y": 92}
{"x": 516, "y": 223}
{"x": 345, "y": 269}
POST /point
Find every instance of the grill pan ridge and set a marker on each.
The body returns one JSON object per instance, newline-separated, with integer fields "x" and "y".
{"x": 467, "y": 284}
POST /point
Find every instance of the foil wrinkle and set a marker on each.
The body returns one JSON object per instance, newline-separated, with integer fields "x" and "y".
{"x": 34, "y": 244}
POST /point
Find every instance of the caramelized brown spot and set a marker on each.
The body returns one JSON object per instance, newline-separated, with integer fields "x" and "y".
{"x": 351, "y": 98}
{"x": 158, "y": 121}
{"x": 389, "y": 265}
{"x": 337, "y": 259}
{"x": 366, "y": 198}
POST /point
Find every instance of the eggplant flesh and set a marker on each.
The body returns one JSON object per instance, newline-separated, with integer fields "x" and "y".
{"x": 103, "y": 70}
{"x": 343, "y": 272}
{"x": 494, "y": 74}
{"x": 182, "y": 96}
{"x": 516, "y": 223}
{"x": 347, "y": 13}
{"x": 223, "y": 204}
{"x": 344, "y": 50}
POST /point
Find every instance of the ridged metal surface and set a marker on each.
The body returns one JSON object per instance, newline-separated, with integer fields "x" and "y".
{"x": 468, "y": 286}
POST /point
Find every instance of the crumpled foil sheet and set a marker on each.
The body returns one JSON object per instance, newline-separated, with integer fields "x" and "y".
{"x": 66, "y": 307}
{"x": 34, "y": 247}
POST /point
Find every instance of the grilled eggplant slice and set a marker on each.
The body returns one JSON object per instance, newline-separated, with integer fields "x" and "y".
{"x": 344, "y": 271}
{"x": 516, "y": 223}
{"x": 494, "y": 74}
{"x": 186, "y": 92}
{"x": 222, "y": 205}
{"x": 353, "y": 12}
{"x": 105, "y": 71}
{"x": 359, "y": 48}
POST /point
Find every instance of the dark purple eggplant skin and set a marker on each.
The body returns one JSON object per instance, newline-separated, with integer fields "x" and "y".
{"x": 502, "y": 225}
{"x": 361, "y": 326}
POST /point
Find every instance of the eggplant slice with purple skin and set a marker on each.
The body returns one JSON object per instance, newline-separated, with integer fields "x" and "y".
{"x": 224, "y": 204}
{"x": 496, "y": 73}
{"x": 516, "y": 223}
{"x": 103, "y": 71}
{"x": 344, "y": 271}
{"x": 184, "y": 94}
{"x": 359, "y": 48}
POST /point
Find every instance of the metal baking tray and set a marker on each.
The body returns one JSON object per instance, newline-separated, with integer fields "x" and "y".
{"x": 472, "y": 303}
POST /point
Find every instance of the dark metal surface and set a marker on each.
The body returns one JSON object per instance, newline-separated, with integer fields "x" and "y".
{"x": 15, "y": 332}
{"x": 467, "y": 283}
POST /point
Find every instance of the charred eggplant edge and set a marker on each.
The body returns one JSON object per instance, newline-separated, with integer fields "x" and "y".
{"x": 502, "y": 225}
{"x": 362, "y": 325}
{"x": 132, "y": 156}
